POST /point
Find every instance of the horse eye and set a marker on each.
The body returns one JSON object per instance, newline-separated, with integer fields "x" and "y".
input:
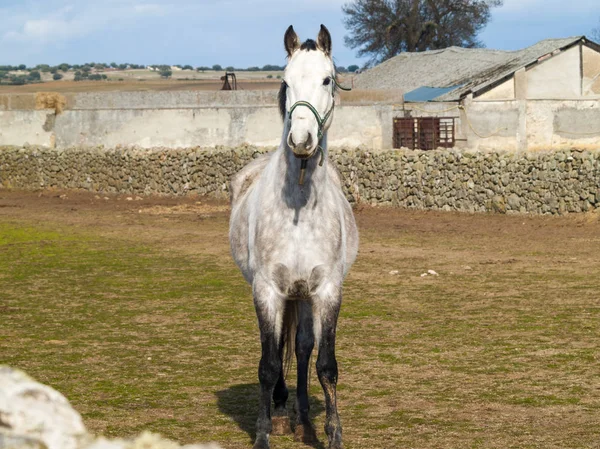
{"x": 326, "y": 81}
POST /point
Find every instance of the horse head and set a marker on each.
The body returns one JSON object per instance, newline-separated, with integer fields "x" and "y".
{"x": 306, "y": 97}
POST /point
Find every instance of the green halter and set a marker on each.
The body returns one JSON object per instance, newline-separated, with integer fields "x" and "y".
{"x": 321, "y": 121}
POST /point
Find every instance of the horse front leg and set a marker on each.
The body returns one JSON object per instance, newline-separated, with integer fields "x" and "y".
{"x": 269, "y": 310}
{"x": 305, "y": 341}
{"x": 327, "y": 369}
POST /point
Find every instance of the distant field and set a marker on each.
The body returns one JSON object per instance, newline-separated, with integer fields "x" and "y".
{"x": 141, "y": 80}
{"x": 134, "y": 85}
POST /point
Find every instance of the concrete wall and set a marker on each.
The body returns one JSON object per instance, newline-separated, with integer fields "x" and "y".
{"x": 176, "y": 119}
{"x": 184, "y": 120}
{"x": 521, "y": 125}
{"x": 549, "y": 183}
{"x": 493, "y": 125}
{"x": 563, "y": 124}
{"x": 26, "y": 127}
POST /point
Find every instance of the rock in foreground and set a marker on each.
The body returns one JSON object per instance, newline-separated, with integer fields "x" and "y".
{"x": 35, "y": 416}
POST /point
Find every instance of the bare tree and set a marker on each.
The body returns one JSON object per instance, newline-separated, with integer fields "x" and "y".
{"x": 383, "y": 28}
{"x": 595, "y": 36}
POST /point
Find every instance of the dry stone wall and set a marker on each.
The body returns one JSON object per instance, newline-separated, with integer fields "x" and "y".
{"x": 558, "y": 182}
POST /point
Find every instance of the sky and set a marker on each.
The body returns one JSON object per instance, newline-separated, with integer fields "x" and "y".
{"x": 239, "y": 33}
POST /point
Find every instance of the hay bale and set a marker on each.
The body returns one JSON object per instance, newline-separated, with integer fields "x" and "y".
{"x": 50, "y": 100}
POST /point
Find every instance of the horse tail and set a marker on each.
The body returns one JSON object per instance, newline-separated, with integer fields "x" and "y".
{"x": 290, "y": 324}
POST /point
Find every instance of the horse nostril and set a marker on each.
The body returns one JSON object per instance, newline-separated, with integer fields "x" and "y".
{"x": 291, "y": 141}
{"x": 308, "y": 143}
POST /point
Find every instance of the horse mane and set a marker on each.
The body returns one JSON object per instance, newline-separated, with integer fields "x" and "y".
{"x": 308, "y": 45}
{"x": 282, "y": 99}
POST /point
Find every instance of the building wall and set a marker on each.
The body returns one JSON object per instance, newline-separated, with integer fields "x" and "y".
{"x": 557, "y": 77}
{"x": 504, "y": 91}
{"x": 591, "y": 72}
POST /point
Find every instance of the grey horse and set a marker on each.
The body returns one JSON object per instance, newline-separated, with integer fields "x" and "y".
{"x": 293, "y": 236}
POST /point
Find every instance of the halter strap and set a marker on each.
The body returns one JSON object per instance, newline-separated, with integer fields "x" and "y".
{"x": 321, "y": 121}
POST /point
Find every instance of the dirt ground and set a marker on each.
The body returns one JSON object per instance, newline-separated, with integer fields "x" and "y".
{"x": 498, "y": 349}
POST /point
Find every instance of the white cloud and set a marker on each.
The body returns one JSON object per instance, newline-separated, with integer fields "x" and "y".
{"x": 69, "y": 22}
{"x": 149, "y": 8}
{"x": 51, "y": 28}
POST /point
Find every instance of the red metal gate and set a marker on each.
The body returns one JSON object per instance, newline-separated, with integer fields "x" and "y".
{"x": 423, "y": 133}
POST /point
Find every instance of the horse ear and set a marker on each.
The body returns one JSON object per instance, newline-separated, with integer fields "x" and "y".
{"x": 324, "y": 40}
{"x": 291, "y": 41}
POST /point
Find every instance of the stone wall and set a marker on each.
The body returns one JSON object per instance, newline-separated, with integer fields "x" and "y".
{"x": 545, "y": 182}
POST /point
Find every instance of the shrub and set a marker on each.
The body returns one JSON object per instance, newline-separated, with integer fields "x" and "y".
{"x": 34, "y": 75}
{"x": 18, "y": 80}
{"x": 57, "y": 76}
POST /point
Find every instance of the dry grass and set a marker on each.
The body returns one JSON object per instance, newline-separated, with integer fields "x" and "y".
{"x": 135, "y": 311}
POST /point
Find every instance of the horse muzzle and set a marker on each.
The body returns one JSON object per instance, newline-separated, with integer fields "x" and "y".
{"x": 304, "y": 148}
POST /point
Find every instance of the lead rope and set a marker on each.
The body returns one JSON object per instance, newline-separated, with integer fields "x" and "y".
{"x": 321, "y": 123}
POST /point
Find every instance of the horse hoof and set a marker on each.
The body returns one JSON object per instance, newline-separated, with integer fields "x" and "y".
{"x": 281, "y": 425}
{"x": 336, "y": 445}
{"x": 261, "y": 443}
{"x": 305, "y": 433}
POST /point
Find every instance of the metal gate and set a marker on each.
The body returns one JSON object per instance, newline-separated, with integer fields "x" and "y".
{"x": 424, "y": 133}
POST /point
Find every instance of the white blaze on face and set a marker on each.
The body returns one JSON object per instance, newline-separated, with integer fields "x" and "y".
{"x": 305, "y": 75}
